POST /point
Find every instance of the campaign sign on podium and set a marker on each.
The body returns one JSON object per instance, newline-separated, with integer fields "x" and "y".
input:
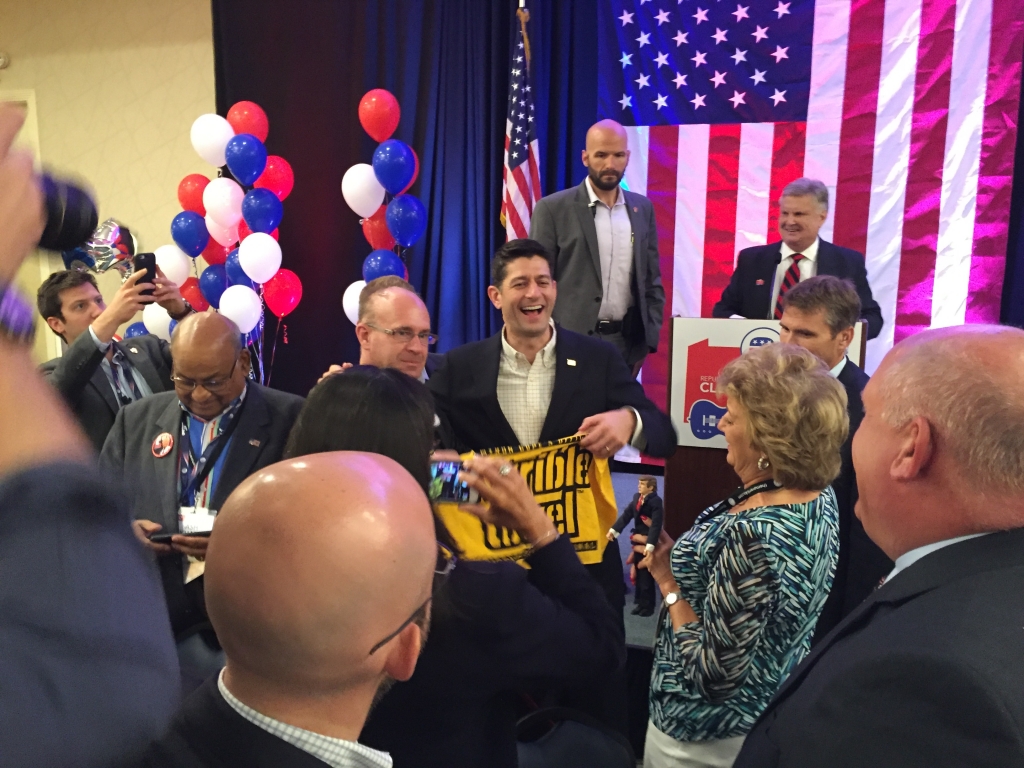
{"x": 701, "y": 347}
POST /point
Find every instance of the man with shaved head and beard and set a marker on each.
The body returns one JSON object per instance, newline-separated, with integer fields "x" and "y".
{"x": 928, "y": 671}
{"x": 180, "y": 454}
{"x": 605, "y": 246}
{"x": 311, "y": 638}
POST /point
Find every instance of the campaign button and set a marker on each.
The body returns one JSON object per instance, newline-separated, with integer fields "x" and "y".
{"x": 163, "y": 444}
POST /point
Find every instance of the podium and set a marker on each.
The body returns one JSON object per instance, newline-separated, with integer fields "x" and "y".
{"x": 697, "y": 475}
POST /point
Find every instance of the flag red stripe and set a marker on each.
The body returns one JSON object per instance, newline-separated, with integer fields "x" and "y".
{"x": 662, "y": 162}
{"x": 720, "y": 224}
{"x": 857, "y": 136}
{"x": 512, "y": 215}
{"x": 534, "y": 177}
{"x": 524, "y": 188}
{"x": 924, "y": 176}
{"x": 787, "y": 165}
{"x": 1002, "y": 100}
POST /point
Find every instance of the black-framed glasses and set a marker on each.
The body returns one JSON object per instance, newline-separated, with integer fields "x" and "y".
{"x": 210, "y": 385}
{"x": 405, "y": 335}
{"x": 446, "y": 562}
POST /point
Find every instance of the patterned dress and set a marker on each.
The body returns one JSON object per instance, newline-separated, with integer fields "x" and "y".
{"x": 757, "y": 580}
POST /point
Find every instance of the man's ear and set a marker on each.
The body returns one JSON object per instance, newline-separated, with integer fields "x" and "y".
{"x": 845, "y": 337}
{"x": 495, "y": 296}
{"x": 362, "y": 333}
{"x": 401, "y": 660}
{"x": 245, "y": 361}
{"x": 585, "y": 158}
{"x": 915, "y": 452}
{"x": 56, "y": 325}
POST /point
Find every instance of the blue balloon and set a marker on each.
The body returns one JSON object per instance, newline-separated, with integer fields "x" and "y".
{"x": 236, "y": 275}
{"x": 394, "y": 165}
{"x": 406, "y": 219}
{"x": 262, "y": 210}
{"x": 246, "y": 158}
{"x": 380, "y": 263}
{"x": 135, "y": 329}
{"x": 189, "y": 231}
{"x": 213, "y": 282}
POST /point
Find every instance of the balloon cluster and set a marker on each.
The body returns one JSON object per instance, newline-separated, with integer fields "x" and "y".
{"x": 232, "y": 222}
{"x": 388, "y": 225}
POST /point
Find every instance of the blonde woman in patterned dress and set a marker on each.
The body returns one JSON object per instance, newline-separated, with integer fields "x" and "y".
{"x": 745, "y": 585}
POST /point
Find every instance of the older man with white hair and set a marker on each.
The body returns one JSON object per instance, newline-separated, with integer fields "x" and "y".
{"x": 929, "y": 670}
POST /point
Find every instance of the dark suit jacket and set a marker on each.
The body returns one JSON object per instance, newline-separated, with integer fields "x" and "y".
{"x": 564, "y": 224}
{"x": 208, "y": 733}
{"x": 861, "y": 563}
{"x": 497, "y": 630}
{"x": 652, "y": 509}
{"x": 927, "y": 672}
{"x": 78, "y": 376}
{"x": 744, "y": 296}
{"x": 434, "y": 359}
{"x": 258, "y": 441}
{"x": 88, "y": 669}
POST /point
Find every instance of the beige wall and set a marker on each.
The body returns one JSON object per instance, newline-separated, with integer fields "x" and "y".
{"x": 116, "y": 87}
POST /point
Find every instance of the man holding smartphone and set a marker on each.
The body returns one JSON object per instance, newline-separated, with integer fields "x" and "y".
{"x": 96, "y": 374}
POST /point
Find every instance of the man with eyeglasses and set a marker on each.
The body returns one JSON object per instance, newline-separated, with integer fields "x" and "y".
{"x": 181, "y": 453}
{"x": 306, "y": 661}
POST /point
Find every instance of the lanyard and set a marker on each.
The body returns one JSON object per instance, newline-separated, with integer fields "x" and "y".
{"x": 738, "y": 496}
{"x": 198, "y": 470}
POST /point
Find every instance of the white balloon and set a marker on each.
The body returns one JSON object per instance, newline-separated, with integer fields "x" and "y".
{"x": 241, "y": 305}
{"x": 174, "y": 263}
{"x": 259, "y": 256}
{"x": 157, "y": 321}
{"x": 361, "y": 190}
{"x": 222, "y": 199}
{"x": 350, "y": 301}
{"x": 210, "y": 135}
{"x": 224, "y": 235}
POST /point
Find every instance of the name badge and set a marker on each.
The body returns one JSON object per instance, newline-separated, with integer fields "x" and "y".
{"x": 193, "y": 520}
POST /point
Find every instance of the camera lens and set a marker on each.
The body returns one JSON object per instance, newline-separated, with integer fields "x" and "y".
{"x": 71, "y": 215}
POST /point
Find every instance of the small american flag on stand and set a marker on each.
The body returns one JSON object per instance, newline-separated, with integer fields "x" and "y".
{"x": 521, "y": 175}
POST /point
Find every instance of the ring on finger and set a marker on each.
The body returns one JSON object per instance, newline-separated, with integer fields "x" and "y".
{"x": 504, "y": 470}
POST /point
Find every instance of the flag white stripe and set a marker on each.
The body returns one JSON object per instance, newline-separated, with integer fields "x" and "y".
{"x": 637, "y": 138}
{"x": 961, "y": 162}
{"x": 754, "y": 180}
{"x": 825, "y": 101}
{"x": 691, "y": 202}
{"x": 890, "y": 163}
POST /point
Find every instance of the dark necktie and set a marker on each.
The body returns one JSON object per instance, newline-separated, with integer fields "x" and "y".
{"x": 124, "y": 382}
{"x": 791, "y": 278}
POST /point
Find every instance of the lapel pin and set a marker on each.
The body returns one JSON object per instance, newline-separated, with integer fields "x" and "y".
{"x": 759, "y": 282}
{"x": 570, "y": 361}
{"x": 134, "y": 349}
{"x": 163, "y": 444}
{"x": 254, "y": 443}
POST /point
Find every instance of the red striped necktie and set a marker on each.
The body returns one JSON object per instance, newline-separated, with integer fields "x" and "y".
{"x": 791, "y": 278}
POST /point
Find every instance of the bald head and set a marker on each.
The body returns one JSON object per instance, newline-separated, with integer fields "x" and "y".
{"x": 393, "y": 309}
{"x": 311, "y": 563}
{"x": 606, "y": 155}
{"x": 208, "y": 353}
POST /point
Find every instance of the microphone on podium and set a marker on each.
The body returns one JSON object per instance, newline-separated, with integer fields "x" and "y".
{"x": 771, "y": 293}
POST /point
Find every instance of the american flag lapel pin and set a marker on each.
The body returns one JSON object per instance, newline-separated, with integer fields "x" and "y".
{"x": 254, "y": 443}
{"x": 759, "y": 282}
{"x": 570, "y": 361}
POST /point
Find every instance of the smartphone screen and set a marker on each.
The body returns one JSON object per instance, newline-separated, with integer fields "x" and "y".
{"x": 446, "y": 486}
{"x": 147, "y": 262}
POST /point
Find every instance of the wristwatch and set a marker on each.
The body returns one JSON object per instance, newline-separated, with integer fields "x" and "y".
{"x": 188, "y": 311}
{"x": 17, "y": 323}
{"x": 672, "y": 598}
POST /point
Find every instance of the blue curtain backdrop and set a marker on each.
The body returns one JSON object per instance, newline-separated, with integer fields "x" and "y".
{"x": 308, "y": 63}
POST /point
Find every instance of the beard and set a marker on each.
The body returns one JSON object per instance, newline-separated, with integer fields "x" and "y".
{"x": 423, "y": 622}
{"x": 603, "y": 183}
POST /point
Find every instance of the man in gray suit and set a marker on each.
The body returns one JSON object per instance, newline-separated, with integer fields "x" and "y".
{"x": 180, "y": 454}
{"x": 605, "y": 243}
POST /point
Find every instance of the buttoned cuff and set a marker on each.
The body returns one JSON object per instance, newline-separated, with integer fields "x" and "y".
{"x": 613, "y": 532}
{"x": 648, "y": 548}
{"x": 639, "y": 439}
{"x": 99, "y": 344}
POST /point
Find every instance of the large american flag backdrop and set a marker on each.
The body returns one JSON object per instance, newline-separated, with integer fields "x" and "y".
{"x": 906, "y": 109}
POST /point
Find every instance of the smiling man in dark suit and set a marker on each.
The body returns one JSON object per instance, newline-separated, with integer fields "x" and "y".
{"x": 181, "y": 453}
{"x": 96, "y": 374}
{"x": 764, "y": 273}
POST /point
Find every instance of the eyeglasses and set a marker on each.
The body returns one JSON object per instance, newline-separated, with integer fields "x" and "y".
{"x": 212, "y": 386}
{"x": 405, "y": 335}
{"x": 446, "y": 562}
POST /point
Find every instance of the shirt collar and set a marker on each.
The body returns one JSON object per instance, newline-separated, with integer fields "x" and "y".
{"x": 546, "y": 355}
{"x": 619, "y": 200}
{"x": 337, "y": 753}
{"x": 811, "y": 254}
{"x": 230, "y": 405}
{"x": 839, "y": 367}
{"x": 907, "y": 559}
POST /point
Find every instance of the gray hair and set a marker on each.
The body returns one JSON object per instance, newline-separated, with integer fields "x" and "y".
{"x": 836, "y": 297}
{"x": 805, "y": 186}
{"x": 975, "y": 409}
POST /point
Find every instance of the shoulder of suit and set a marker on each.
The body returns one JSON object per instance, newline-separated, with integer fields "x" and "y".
{"x": 561, "y": 197}
{"x": 846, "y": 252}
{"x": 473, "y": 349}
{"x": 637, "y": 200}
{"x": 148, "y": 407}
{"x": 276, "y": 397}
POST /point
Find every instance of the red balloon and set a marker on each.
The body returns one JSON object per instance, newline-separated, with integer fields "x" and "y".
{"x": 244, "y": 231}
{"x": 376, "y": 231}
{"x": 379, "y": 114}
{"x": 415, "y": 172}
{"x": 191, "y": 293}
{"x": 282, "y": 292}
{"x": 277, "y": 177}
{"x": 190, "y": 193}
{"x": 247, "y": 117}
{"x": 215, "y": 253}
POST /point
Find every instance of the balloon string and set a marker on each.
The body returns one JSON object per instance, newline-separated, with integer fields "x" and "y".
{"x": 273, "y": 351}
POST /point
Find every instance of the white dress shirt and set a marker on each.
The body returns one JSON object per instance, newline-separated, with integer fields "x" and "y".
{"x": 615, "y": 246}
{"x": 337, "y": 753}
{"x": 808, "y": 266}
{"x": 907, "y": 559}
{"x": 839, "y": 367}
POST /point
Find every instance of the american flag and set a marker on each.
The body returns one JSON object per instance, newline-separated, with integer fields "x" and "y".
{"x": 905, "y": 109}
{"x": 521, "y": 175}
